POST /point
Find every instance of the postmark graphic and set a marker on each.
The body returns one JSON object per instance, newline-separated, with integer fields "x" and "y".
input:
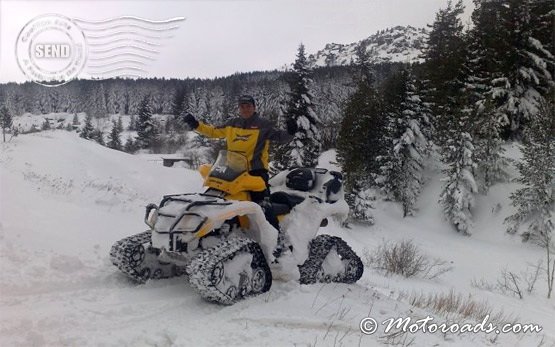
{"x": 51, "y": 50}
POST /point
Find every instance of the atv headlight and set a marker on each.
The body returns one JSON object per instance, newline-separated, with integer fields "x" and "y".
{"x": 151, "y": 215}
{"x": 189, "y": 222}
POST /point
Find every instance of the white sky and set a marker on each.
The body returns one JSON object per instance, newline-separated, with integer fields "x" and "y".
{"x": 219, "y": 38}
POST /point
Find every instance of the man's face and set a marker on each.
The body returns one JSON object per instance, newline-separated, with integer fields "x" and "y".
{"x": 246, "y": 110}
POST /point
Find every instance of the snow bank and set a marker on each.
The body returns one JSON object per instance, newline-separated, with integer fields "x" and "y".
{"x": 64, "y": 201}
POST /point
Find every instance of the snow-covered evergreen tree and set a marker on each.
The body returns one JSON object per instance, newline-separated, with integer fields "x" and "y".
{"x": 360, "y": 203}
{"x": 5, "y": 120}
{"x": 45, "y": 125}
{"x": 536, "y": 199}
{"x": 88, "y": 128}
{"x": 491, "y": 165}
{"x": 408, "y": 145}
{"x": 147, "y": 134}
{"x": 114, "y": 141}
{"x": 132, "y": 123}
{"x": 197, "y": 103}
{"x": 130, "y": 145}
{"x": 75, "y": 120}
{"x": 444, "y": 55}
{"x": 98, "y": 106}
{"x": 529, "y": 65}
{"x": 305, "y": 147}
{"x": 178, "y": 101}
{"x": 98, "y": 136}
{"x": 512, "y": 58}
{"x": 457, "y": 195}
{"x": 119, "y": 125}
{"x": 361, "y": 141}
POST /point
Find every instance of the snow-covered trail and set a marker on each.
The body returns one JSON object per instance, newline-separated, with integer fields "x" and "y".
{"x": 64, "y": 201}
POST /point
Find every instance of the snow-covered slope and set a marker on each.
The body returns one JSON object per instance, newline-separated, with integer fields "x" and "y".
{"x": 398, "y": 44}
{"x": 64, "y": 201}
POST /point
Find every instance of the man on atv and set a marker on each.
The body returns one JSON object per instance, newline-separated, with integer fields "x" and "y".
{"x": 250, "y": 135}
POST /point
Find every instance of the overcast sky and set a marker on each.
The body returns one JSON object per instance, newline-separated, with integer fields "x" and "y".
{"x": 219, "y": 38}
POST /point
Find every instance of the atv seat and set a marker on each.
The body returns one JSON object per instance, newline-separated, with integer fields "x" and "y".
{"x": 283, "y": 202}
{"x": 280, "y": 209}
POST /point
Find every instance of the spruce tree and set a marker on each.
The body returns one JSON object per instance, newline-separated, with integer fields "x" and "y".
{"x": 120, "y": 125}
{"x": 45, "y": 125}
{"x": 178, "y": 101}
{"x": 444, "y": 57}
{"x": 114, "y": 137}
{"x": 361, "y": 142}
{"x": 491, "y": 165}
{"x": 5, "y": 120}
{"x": 452, "y": 119}
{"x": 536, "y": 200}
{"x": 88, "y": 129}
{"x": 132, "y": 123}
{"x": 146, "y": 131}
{"x": 304, "y": 149}
{"x": 130, "y": 145}
{"x": 98, "y": 136}
{"x": 457, "y": 195}
{"x": 407, "y": 145}
{"x": 516, "y": 57}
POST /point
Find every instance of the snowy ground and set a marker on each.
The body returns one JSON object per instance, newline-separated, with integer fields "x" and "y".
{"x": 64, "y": 201}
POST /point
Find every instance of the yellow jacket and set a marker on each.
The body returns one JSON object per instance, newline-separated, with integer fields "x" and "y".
{"x": 250, "y": 137}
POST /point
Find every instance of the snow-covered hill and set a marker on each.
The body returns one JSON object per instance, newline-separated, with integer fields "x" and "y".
{"x": 64, "y": 201}
{"x": 398, "y": 44}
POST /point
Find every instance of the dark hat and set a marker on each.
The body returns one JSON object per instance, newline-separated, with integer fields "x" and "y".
{"x": 246, "y": 99}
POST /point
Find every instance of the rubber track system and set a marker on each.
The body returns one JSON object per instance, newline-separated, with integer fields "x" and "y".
{"x": 207, "y": 271}
{"x": 312, "y": 270}
{"x": 134, "y": 257}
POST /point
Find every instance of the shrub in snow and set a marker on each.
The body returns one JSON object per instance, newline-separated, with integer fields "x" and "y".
{"x": 405, "y": 259}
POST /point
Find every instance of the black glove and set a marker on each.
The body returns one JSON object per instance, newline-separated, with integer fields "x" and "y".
{"x": 191, "y": 121}
{"x": 291, "y": 126}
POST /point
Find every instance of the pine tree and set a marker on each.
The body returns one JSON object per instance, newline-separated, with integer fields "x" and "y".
{"x": 130, "y": 145}
{"x": 457, "y": 195}
{"x": 120, "y": 125}
{"x": 5, "y": 120}
{"x": 486, "y": 129}
{"x": 98, "y": 136}
{"x": 444, "y": 57}
{"x": 88, "y": 129}
{"x": 513, "y": 58}
{"x": 75, "y": 120}
{"x": 98, "y": 105}
{"x": 147, "y": 134}
{"x": 305, "y": 147}
{"x": 178, "y": 101}
{"x": 483, "y": 72}
{"x": 132, "y": 123}
{"x": 529, "y": 63}
{"x": 536, "y": 200}
{"x": 360, "y": 143}
{"x": 45, "y": 125}
{"x": 114, "y": 137}
{"x": 407, "y": 145}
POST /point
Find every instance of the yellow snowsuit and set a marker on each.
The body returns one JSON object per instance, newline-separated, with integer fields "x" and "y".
{"x": 250, "y": 137}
